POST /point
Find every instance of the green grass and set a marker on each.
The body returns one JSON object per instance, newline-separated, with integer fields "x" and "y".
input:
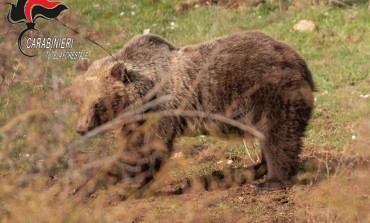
{"x": 337, "y": 54}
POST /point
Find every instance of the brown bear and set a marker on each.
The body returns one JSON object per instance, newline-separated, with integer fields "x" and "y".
{"x": 248, "y": 77}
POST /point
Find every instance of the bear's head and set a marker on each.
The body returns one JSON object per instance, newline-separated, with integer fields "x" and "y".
{"x": 99, "y": 93}
{"x": 111, "y": 84}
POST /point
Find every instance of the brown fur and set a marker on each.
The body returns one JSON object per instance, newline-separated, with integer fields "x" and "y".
{"x": 247, "y": 76}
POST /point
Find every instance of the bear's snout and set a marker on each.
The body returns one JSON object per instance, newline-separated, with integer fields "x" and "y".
{"x": 81, "y": 132}
{"x": 82, "y": 127}
{"x": 87, "y": 121}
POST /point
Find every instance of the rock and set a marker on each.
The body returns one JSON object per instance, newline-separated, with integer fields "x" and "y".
{"x": 305, "y": 26}
{"x": 27, "y": 156}
{"x": 177, "y": 155}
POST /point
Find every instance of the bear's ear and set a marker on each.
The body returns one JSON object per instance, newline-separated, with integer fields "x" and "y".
{"x": 119, "y": 72}
{"x": 82, "y": 65}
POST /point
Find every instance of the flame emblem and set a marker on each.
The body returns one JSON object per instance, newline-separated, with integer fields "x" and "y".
{"x": 27, "y": 11}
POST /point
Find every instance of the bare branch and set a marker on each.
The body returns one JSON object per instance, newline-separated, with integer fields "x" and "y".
{"x": 117, "y": 122}
{"x": 157, "y": 88}
{"x": 87, "y": 38}
{"x": 247, "y": 150}
{"x": 132, "y": 116}
{"x": 21, "y": 118}
{"x": 337, "y": 2}
{"x": 217, "y": 117}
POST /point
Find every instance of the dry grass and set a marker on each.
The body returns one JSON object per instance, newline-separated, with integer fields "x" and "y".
{"x": 37, "y": 121}
{"x": 343, "y": 197}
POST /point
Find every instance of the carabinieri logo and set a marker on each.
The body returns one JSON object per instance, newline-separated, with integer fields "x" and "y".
{"x": 27, "y": 11}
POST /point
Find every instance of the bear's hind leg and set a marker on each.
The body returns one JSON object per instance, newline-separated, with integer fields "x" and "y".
{"x": 283, "y": 142}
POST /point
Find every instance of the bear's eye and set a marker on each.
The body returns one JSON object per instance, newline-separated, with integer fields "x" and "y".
{"x": 100, "y": 108}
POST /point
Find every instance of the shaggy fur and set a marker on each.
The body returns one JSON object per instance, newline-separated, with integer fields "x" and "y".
{"x": 248, "y": 76}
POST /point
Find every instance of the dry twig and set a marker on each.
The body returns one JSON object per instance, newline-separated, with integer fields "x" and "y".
{"x": 247, "y": 150}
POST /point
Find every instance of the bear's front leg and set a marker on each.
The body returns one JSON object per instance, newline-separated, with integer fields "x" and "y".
{"x": 145, "y": 148}
{"x": 141, "y": 154}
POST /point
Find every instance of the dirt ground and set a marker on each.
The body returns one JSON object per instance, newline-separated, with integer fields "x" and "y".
{"x": 329, "y": 188}
{"x": 236, "y": 204}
